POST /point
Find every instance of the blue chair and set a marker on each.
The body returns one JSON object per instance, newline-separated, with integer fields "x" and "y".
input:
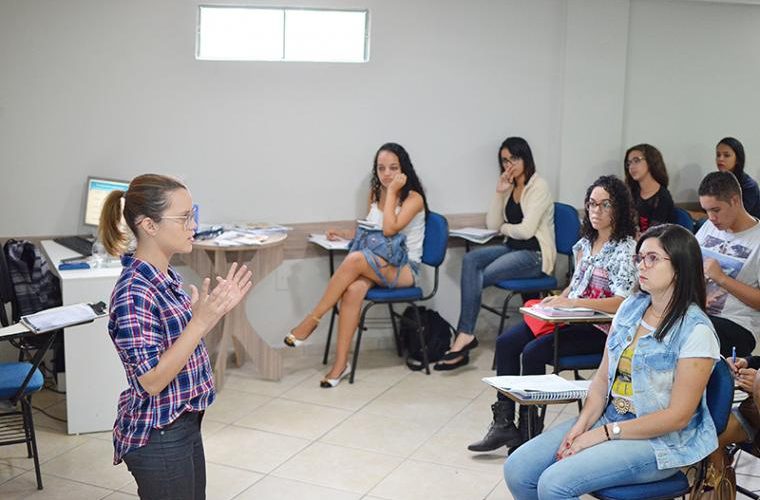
{"x": 567, "y": 227}
{"x": 433, "y": 252}
{"x": 682, "y": 218}
{"x": 720, "y": 396}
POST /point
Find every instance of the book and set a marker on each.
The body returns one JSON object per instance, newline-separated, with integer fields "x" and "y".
{"x": 474, "y": 234}
{"x": 540, "y": 387}
{"x": 321, "y": 240}
{"x": 62, "y": 317}
{"x": 566, "y": 312}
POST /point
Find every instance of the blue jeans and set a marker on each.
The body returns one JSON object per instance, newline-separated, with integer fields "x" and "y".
{"x": 533, "y": 472}
{"x": 172, "y": 465}
{"x": 487, "y": 266}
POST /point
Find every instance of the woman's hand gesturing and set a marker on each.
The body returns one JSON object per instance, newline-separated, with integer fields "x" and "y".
{"x": 209, "y": 308}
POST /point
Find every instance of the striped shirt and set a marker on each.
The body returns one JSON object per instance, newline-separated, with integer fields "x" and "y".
{"x": 149, "y": 310}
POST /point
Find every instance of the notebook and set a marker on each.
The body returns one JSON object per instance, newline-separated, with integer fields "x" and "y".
{"x": 62, "y": 317}
{"x": 540, "y": 387}
{"x": 474, "y": 234}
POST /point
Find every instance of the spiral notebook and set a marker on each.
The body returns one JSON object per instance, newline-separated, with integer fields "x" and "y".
{"x": 540, "y": 387}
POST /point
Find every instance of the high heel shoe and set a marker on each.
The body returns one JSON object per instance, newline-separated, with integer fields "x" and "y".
{"x": 329, "y": 383}
{"x": 291, "y": 340}
{"x": 461, "y": 352}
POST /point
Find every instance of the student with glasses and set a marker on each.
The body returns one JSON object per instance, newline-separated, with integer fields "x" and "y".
{"x": 158, "y": 332}
{"x": 604, "y": 276}
{"x": 645, "y": 416}
{"x": 522, "y": 209}
{"x": 647, "y": 178}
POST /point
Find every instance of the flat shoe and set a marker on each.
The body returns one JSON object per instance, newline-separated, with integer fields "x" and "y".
{"x": 455, "y": 354}
{"x": 329, "y": 383}
{"x": 444, "y": 367}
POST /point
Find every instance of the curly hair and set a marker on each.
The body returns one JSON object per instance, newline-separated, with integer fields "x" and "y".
{"x": 623, "y": 211}
{"x": 655, "y": 163}
{"x": 412, "y": 181}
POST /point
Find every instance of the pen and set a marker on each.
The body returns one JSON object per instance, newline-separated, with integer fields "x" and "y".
{"x": 733, "y": 355}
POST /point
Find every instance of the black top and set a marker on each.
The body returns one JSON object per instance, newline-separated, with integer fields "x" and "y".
{"x": 514, "y": 215}
{"x": 656, "y": 209}
{"x": 750, "y": 195}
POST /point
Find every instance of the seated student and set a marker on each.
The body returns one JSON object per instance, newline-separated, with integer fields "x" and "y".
{"x": 647, "y": 178}
{"x": 645, "y": 415}
{"x": 522, "y": 209}
{"x": 397, "y": 204}
{"x": 729, "y": 157}
{"x": 743, "y": 422}
{"x": 730, "y": 241}
{"x": 604, "y": 275}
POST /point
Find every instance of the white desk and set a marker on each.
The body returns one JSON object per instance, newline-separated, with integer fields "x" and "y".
{"x": 94, "y": 374}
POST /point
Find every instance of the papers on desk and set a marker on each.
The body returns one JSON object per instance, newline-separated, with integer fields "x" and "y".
{"x": 321, "y": 240}
{"x": 60, "y": 317}
{"x": 566, "y": 312}
{"x": 249, "y": 234}
{"x": 474, "y": 234}
{"x": 540, "y": 387}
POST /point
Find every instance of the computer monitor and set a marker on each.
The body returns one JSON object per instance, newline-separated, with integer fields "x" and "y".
{"x": 97, "y": 190}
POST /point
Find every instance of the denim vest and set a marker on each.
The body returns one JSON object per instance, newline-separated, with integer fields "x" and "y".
{"x": 653, "y": 371}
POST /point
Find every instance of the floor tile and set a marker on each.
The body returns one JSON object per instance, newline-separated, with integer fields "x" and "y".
{"x": 251, "y": 449}
{"x": 500, "y": 492}
{"x": 90, "y": 463}
{"x": 119, "y": 495}
{"x": 222, "y": 482}
{"x": 232, "y": 405}
{"x": 47, "y": 398}
{"x": 441, "y": 482}
{"x": 275, "y": 488}
{"x": 8, "y": 472}
{"x": 433, "y": 409}
{"x": 50, "y": 444}
{"x": 24, "y": 487}
{"x": 244, "y": 379}
{"x": 463, "y": 382}
{"x": 382, "y": 434}
{"x": 337, "y": 467}
{"x": 345, "y": 396}
{"x": 294, "y": 418}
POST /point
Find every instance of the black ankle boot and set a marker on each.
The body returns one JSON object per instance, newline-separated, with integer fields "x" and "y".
{"x": 522, "y": 425}
{"x": 502, "y": 432}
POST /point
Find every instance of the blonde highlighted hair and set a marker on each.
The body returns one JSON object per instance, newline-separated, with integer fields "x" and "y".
{"x": 147, "y": 196}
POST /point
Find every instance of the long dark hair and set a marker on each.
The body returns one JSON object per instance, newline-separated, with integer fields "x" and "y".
{"x": 655, "y": 163}
{"x": 624, "y": 222}
{"x": 738, "y": 150}
{"x": 688, "y": 280}
{"x": 519, "y": 148}
{"x": 412, "y": 181}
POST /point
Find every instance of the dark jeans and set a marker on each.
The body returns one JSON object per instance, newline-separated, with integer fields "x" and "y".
{"x": 172, "y": 465}
{"x": 731, "y": 335}
{"x": 537, "y": 352}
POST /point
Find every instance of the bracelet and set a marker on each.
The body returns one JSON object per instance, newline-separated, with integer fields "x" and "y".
{"x": 606, "y": 432}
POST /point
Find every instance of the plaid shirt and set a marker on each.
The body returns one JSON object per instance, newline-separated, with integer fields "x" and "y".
{"x": 149, "y": 311}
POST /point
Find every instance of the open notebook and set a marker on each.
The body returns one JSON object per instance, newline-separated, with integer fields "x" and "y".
{"x": 540, "y": 387}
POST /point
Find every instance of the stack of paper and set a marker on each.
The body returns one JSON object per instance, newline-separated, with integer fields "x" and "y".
{"x": 321, "y": 240}
{"x": 474, "y": 234}
{"x": 540, "y": 387}
{"x": 59, "y": 317}
{"x": 565, "y": 312}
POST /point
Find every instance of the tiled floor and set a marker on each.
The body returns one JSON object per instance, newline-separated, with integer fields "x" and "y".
{"x": 394, "y": 434}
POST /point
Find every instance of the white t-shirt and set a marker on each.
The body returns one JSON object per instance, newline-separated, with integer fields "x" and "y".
{"x": 739, "y": 257}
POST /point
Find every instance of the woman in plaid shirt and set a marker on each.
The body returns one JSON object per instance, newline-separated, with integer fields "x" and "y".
{"x": 158, "y": 332}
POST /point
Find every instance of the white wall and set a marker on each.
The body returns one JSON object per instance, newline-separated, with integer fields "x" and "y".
{"x": 112, "y": 88}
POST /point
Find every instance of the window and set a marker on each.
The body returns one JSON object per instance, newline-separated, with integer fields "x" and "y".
{"x": 272, "y": 34}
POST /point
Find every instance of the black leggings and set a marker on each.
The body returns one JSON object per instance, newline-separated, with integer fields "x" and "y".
{"x": 732, "y": 335}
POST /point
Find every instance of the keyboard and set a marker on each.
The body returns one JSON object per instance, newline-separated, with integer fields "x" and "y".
{"x": 79, "y": 244}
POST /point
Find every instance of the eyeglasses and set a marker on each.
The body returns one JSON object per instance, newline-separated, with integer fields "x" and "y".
{"x": 634, "y": 161}
{"x": 187, "y": 220}
{"x": 510, "y": 161}
{"x": 649, "y": 259}
{"x": 605, "y": 205}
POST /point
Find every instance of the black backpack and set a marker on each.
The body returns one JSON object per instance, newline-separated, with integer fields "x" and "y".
{"x": 436, "y": 331}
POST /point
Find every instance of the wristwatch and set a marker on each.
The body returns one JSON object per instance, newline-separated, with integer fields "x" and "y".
{"x": 616, "y": 431}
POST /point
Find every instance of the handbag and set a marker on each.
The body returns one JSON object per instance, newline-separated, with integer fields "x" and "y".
{"x": 539, "y": 327}
{"x": 381, "y": 251}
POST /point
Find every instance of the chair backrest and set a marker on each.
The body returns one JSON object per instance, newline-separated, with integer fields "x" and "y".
{"x": 7, "y": 295}
{"x": 682, "y": 218}
{"x": 720, "y": 394}
{"x": 436, "y": 239}
{"x": 567, "y": 227}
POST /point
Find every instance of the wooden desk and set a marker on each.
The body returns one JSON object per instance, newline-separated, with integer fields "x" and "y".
{"x": 208, "y": 259}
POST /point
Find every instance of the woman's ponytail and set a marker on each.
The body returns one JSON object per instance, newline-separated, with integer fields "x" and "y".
{"x": 111, "y": 235}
